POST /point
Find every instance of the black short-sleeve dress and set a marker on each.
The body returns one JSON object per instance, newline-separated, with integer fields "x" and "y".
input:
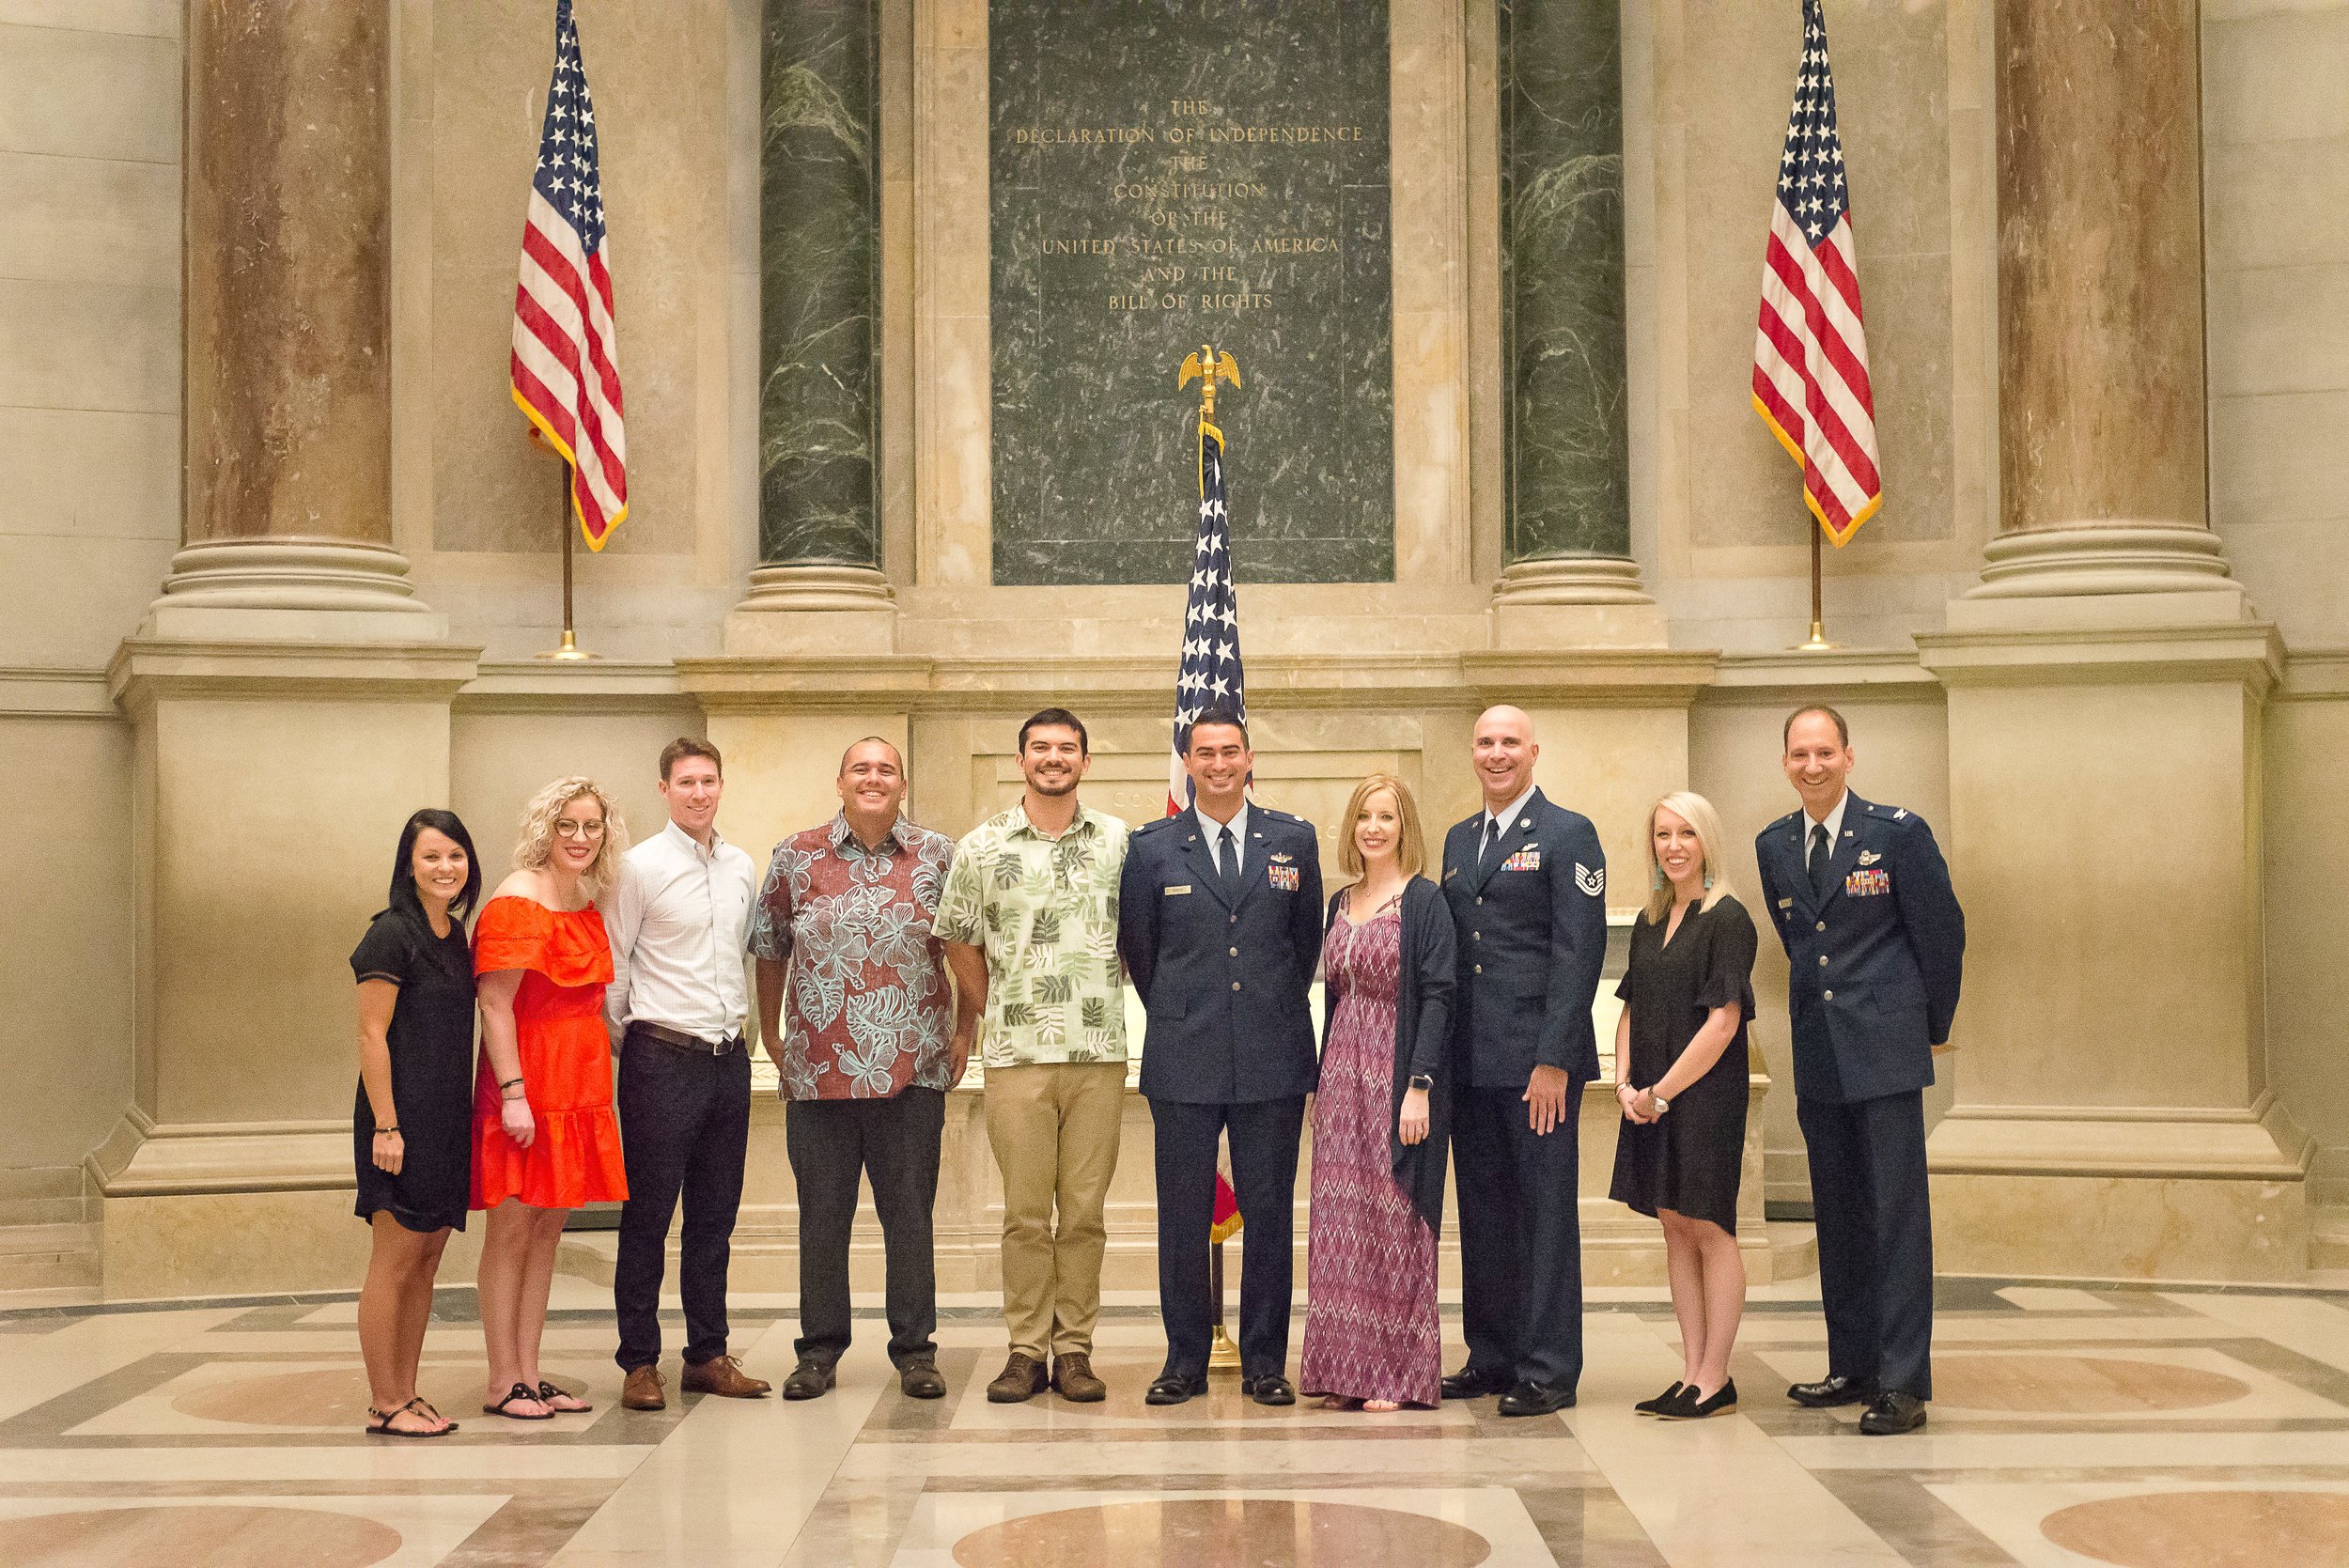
{"x": 1689, "y": 1160}
{"x": 431, "y": 1046}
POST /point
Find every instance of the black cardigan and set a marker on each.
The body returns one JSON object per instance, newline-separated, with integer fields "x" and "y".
{"x": 1423, "y": 1028}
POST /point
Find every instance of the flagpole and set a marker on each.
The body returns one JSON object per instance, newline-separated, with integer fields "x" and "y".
{"x": 568, "y": 648}
{"x": 1818, "y": 643}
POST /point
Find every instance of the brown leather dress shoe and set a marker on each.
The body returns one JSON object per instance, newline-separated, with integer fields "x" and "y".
{"x": 643, "y": 1390}
{"x": 723, "y": 1376}
{"x": 1072, "y": 1374}
{"x": 1022, "y": 1379}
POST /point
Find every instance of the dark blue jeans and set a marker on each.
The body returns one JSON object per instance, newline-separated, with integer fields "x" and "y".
{"x": 685, "y": 1126}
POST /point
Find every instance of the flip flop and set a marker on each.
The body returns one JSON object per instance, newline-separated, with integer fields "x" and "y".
{"x": 520, "y": 1391}
{"x": 549, "y": 1394}
{"x": 381, "y": 1425}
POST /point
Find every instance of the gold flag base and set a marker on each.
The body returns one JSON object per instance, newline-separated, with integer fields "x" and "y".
{"x": 1817, "y": 641}
{"x": 569, "y": 650}
{"x": 1223, "y": 1354}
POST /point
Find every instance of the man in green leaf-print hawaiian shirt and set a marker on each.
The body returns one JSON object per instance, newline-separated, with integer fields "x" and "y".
{"x": 1029, "y": 921}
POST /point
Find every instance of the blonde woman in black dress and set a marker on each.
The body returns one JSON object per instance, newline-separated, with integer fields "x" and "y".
{"x": 1680, "y": 1072}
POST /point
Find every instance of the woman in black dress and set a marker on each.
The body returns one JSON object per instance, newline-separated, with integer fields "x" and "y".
{"x": 412, "y": 1123}
{"x": 1680, "y": 1074}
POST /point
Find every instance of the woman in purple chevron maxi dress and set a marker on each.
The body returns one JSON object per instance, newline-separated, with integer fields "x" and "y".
{"x": 1372, "y": 1338}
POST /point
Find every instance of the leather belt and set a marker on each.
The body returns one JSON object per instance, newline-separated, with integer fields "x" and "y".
{"x": 676, "y": 1039}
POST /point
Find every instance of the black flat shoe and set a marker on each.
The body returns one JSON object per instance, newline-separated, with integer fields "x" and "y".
{"x": 1535, "y": 1399}
{"x": 1894, "y": 1412}
{"x": 1174, "y": 1390}
{"x": 1469, "y": 1383}
{"x": 1269, "y": 1388}
{"x": 1689, "y": 1407}
{"x": 811, "y": 1379}
{"x": 1831, "y": 1392}
{"x": 1655, "y": 1406}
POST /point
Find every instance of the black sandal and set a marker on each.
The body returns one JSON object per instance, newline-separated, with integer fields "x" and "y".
{"x": 520, "y": 1391}
{"x": 549, "y": 1394}
{"x": 381, "y": 1425}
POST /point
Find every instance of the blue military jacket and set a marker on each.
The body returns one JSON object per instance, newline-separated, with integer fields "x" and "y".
{"x": 1873, "y": 966}
{"x": 1531, "y": 929}
{"x": 1224, "y": 976}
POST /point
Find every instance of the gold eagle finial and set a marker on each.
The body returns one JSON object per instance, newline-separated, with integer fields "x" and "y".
{"x": 1209, "y": 367}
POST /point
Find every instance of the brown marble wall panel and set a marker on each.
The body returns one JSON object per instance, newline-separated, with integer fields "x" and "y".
{"x": 289, "y": 227}
{"x": 1892, "y": 78}
{"x": 658, "y": 68}
{"x": 2100, "y": 263}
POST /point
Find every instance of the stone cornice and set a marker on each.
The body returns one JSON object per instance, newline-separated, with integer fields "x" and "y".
{"x": 2247, "y": 651}
{"x": 2315, "y": 674}
{"x": 545, "y": 686}
{"x": 33, "y": 692}
{"x": 145, "y": 668}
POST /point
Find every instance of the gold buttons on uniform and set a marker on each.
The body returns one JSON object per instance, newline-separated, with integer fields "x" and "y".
{"x": 1822, "y": 961}
{"x": 1236, "y": 985}
{"x": 1823, "y": 925}
{"x": 1827, "y": 995}
{"x": 1235, "y": 953}
{"x": 1480, "y": 969}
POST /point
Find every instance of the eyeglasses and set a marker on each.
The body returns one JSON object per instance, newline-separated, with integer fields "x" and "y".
{"x": 566, "y": 827}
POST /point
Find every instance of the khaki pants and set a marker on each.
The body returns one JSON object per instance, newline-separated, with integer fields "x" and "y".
{"x": 1054, "y": 1129}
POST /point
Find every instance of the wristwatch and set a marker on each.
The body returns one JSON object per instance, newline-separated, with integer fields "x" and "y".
{"x": 1662, "y": 1104}
{"x": 1425, "y": 1082}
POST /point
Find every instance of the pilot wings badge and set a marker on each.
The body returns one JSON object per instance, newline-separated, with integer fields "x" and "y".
{"x": 1869, "y": 857}
{"x": 1593, "y": 883}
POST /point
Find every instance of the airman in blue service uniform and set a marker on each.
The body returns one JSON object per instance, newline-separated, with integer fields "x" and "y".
{"x": 1527, "y": 884}
{"x": 1875, "y": 944}
{"x": 1220, "y": 924}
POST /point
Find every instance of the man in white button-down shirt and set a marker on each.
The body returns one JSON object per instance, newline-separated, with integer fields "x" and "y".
{"x": 679, "y": 1006}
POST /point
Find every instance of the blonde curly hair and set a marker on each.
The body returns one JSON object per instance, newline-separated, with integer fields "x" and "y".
{"x": 535, "y": 846}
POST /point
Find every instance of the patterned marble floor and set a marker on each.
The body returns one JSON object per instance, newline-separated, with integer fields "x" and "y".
{"x": 2089, "y": 1425}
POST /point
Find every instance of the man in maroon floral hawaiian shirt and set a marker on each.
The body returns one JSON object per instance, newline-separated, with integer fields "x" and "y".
{"x": 858, "y": 1016}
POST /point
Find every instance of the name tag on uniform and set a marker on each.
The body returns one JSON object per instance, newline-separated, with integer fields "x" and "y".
{"x": 1862, "y": 884}
{"x": 1284, "y": 877}
{"x": 1184, "y": 888}
{"x": 1524, "y": 860}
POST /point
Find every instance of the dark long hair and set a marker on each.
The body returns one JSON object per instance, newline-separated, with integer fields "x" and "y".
{"x": 404, "y": 900}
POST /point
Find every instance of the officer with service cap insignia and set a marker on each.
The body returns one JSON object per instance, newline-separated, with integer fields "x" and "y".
{"x": 1220, "y": 924}
{"x": 1875, "y": 943}
{"x": 1527, "y": 884}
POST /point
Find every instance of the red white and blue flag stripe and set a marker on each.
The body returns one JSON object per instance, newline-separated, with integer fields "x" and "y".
{"x": 1810, "y": 352}
{"x": 565, "y": 366}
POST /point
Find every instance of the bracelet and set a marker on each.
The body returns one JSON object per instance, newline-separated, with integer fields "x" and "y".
{"x": 511, "y": 1099}
{"x": 380, "y": 1131}
{"x": 507, "y": 1082}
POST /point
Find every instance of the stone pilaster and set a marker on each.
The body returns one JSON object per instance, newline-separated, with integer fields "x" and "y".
{"x": 2111, "y": 1115}
{"x": 1566, "y": 540}
{"x": 819, "y": 187}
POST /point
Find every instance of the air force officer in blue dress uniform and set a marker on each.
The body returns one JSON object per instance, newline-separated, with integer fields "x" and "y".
{"x": 1875, "y": 943}
{"x": 1220, "y": 924}
{"x": 1527, "y": 884}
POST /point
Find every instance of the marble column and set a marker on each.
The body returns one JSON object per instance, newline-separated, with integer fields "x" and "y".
{"x": 288, "y": 213}
{"x": 2101, "y": 393}
{"x": 1568, "y": 528}
{"x": 2111, "y": 1115}
{"x": 819, "y": 264}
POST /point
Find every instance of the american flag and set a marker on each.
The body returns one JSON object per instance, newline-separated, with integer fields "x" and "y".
{"x": 566, "y": 378}
{"x": 1811, "y": 353}
{"x": 1210, "y": 674}
{"x": 1209, "y": 677}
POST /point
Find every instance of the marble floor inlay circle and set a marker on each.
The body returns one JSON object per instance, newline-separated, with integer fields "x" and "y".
{"x": 198, "y": 1535}
{"x": 2206, "y": 1529}
{"x": 2077, "y": 1385}
{"x": 1224, "y": 1532}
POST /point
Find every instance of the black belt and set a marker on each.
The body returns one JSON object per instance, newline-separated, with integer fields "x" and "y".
{"x": 676, "y": 1039}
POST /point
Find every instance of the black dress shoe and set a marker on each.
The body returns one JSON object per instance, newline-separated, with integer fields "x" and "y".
{"x": 1469, "y": 1383}
{"x": 1689, "y": 1407}
{"x": 1535, "y": 1399}
{"x": 1895, "y": 1411}
{"x": 811, "y": 1379}
{"x": 1656, "y": 1406}
{"x": 918, "y": 1379}
{"x": 1831, "y": 1392}
{"x": 1174, "y": 1389}
{"x": 1269, "y": 1388}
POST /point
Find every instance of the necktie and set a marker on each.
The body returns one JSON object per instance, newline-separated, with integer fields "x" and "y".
{"x": 1225, "y": 858}
{"x": 1492, "y": 839}
{"x": 1821, "y": 858}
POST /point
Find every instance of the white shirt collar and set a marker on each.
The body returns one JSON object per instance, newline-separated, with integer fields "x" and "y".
{"x": 691, "y": 845}
{"x": 1213, "y": 828}
{"x": 1833, "y": 822}
{"x": 1504, "y": 818}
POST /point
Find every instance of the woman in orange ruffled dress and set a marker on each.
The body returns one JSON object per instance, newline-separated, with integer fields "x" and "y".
{"x": 544, "y": 1139}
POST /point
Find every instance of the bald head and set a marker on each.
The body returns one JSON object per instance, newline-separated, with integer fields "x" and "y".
{"x": 1503, "y": 754}
{"x": 880, "y": 747}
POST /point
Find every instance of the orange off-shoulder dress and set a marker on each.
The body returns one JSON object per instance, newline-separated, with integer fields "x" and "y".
{"x": 565, "y": 1060}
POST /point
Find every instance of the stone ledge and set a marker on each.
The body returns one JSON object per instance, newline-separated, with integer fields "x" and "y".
{"x": 145, "y": 668}
{"x": 2250, "y": 651}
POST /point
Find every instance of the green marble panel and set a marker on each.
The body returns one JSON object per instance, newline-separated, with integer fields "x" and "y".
{"x": 1163, "y": 174}
{"x": 820, "y": 279}
{"x": 1566, "y": 434}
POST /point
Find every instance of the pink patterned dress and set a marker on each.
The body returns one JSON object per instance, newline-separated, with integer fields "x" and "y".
{"x": 1371, "y": 1326}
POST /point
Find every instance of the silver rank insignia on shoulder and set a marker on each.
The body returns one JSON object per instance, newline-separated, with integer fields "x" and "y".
{"x": 1593, "y": 883}
{"x": 1901, "y": 814}
{"x": 1869, "y": 857}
